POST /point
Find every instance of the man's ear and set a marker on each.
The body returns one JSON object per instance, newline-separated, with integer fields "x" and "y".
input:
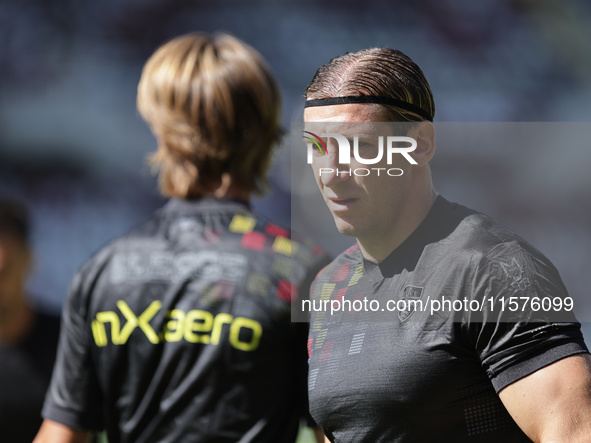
{"x": 424, "y": 134}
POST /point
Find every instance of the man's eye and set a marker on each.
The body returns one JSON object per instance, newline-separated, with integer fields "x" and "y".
{"x": 318, "y": 149}
{"x": 318, "y": 145}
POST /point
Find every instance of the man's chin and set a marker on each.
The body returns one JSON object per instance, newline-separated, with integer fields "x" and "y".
{"x": 345, "y": 227}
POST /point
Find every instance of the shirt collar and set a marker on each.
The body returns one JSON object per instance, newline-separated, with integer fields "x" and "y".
{"x": 205, "y": 204}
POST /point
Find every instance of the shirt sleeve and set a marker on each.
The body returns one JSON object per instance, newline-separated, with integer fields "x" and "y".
{"x": 74, "y": 397}
{"x": 525, "y": 322}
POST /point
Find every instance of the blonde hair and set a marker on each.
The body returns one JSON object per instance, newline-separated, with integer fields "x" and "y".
{"x": 376, "y": 72}
{"x": 214, "y": 107}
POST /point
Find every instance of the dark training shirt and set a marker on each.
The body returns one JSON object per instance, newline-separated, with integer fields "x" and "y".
{"x": 412, "y": 375}
{"x": 180, "y": 331}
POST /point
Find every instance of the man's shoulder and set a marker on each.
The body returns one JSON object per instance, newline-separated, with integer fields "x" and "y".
{"x": 475, "y": 230}
{"x": 143, "y": 233}
{"x": 176, "y": 236}
{"x": 347, "y": 262}
{"x": 478, "y": 235}
{"x": 268, "y": 236}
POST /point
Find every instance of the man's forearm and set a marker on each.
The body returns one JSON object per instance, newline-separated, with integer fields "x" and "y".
{"x": 53, "y": 432}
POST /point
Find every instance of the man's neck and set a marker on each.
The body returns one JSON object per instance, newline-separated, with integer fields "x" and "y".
{"x": 377, "y": 248}
{"x": 228, "y": 188}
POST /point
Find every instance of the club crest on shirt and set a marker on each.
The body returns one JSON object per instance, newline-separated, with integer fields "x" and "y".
{"x": 410, "y": 294}
{"x": 515, "y": 275}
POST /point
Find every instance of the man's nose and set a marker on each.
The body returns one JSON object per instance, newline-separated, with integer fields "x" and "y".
{"x": 331, "y": 171}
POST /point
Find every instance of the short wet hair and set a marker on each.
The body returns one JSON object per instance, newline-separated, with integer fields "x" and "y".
{"x": 382, "y": 72}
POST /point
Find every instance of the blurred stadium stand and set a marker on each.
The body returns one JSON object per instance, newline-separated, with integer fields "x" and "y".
{"x": 73, "y": 145}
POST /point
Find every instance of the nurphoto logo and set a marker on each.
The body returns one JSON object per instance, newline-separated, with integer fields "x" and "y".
{"x": 386, "y": 145}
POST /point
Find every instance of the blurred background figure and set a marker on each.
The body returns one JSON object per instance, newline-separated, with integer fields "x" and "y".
{"x": 28, "y": 336}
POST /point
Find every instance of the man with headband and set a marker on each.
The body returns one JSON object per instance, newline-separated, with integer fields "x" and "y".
{"x": 417, "y": 376}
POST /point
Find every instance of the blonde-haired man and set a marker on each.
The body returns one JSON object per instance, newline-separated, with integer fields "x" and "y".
{"x": 180, "y": 330}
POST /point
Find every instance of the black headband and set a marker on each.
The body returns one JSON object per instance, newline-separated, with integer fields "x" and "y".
{"x": 380, "y": 100}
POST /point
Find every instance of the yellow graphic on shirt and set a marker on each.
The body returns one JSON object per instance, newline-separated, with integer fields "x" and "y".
{"x": 325, "y": 294}
{"x": 357, "y": 275}
{"x": 242, "y": 224}
{"x": 195, "y": 326}
{"x": 284, "y": 246}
